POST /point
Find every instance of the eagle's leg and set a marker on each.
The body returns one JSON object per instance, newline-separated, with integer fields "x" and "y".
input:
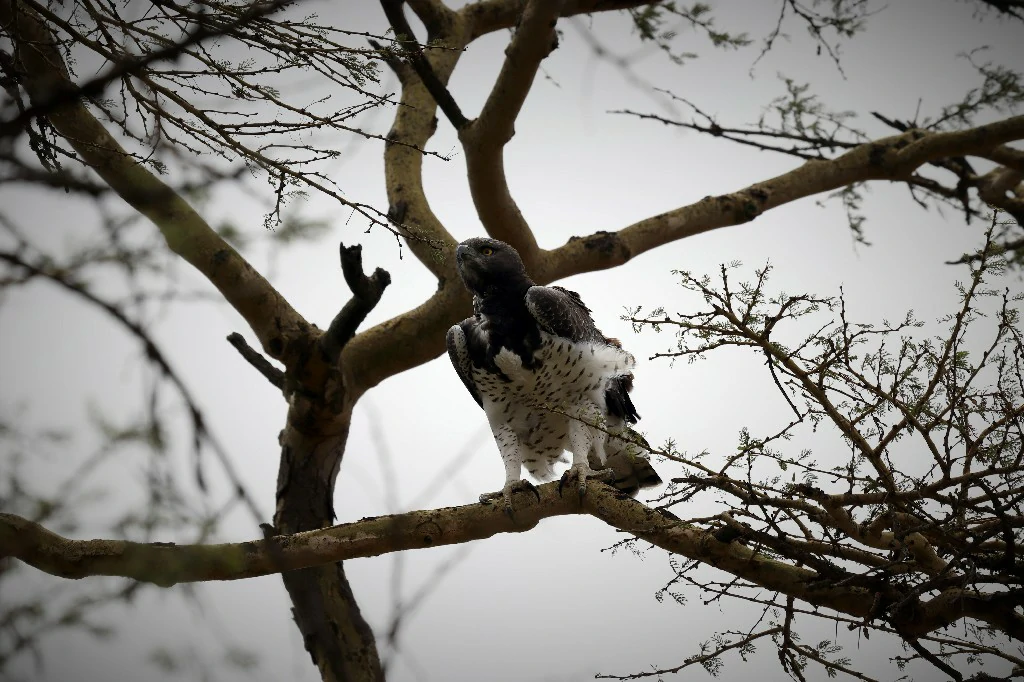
{"x": 582, "y": 438}
{"x": 512, "y": 456}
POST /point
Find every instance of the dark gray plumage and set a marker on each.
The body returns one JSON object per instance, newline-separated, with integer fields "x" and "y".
{"x": 546, "y": 377}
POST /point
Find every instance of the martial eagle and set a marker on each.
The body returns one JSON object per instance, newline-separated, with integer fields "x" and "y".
{"x": 546, "y": 377}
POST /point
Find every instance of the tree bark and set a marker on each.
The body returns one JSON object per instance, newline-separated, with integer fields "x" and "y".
{"x": 334, "y": 632}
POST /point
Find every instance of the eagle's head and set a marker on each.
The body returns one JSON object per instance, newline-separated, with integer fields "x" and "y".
{"x": 489, "y": 266}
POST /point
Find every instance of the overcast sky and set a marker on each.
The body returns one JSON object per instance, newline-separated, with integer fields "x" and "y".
{"x": 548, "y": 604}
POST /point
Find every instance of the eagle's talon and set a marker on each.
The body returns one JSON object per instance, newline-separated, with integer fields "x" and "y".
{"x": 511, "y": 488}
{"x": 580, "y": 473}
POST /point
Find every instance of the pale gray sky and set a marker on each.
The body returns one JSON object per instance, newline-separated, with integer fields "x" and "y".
{"x": 544, "y": 605}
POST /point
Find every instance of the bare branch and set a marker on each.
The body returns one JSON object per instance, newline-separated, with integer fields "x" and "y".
{"x": 414, "y": 125}
{"x": 366, "y": 293}
{"x": 1006, "y": 156}
{"x": 418, "y": 335}
{"x": 935, "y": 660}
{"x": 533, "y": 41}
{"x": 702, "y": 659}
{"x": 270, "y": 316}
{"x": 274, "y": 375}
{"x": 168, "y": 564}
{"x": 393, "y": 9}
{"x": 132, "y": 65}
{"x": 407, "y": 340}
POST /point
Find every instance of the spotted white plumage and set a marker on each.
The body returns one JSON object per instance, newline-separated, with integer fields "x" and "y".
{"x": 546, "y": 377}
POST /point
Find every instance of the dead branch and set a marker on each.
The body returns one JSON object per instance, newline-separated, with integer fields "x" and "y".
{"x": 272, "y": 374}
{"x": 366, "y": 293}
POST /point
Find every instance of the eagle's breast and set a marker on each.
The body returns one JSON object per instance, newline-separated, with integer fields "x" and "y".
{"x": 559, "y": 374}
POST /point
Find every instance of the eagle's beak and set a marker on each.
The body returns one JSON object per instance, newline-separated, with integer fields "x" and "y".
{"x": 461, "y": 253}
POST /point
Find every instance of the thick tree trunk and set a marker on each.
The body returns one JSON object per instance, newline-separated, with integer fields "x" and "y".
{"x": 334, "y": 632}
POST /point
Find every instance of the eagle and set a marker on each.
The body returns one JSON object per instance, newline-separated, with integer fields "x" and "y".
{"x": 546, "y": 377}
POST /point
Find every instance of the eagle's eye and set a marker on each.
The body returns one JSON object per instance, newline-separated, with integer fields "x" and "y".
{"x": 486, "y": 251}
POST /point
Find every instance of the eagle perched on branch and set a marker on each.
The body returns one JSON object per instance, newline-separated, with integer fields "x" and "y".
{"x": 547, "y": 378}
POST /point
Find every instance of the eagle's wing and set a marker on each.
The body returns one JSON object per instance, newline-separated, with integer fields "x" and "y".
{"x": 562, "y": 312}
{"x": 458, "y": 352}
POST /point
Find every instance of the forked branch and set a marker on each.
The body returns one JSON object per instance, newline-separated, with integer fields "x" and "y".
{"x": 366, "y": 293}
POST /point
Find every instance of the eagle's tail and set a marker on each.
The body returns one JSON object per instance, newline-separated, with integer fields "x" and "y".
{"x": 627, "y": 456}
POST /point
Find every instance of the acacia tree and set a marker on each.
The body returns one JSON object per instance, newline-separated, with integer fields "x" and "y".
{"x": 891, "y": 553}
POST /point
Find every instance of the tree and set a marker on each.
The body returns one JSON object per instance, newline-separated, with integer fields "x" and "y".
{"x": 911, "y": 593}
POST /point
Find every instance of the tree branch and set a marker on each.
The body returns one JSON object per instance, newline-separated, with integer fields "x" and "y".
{"x": 953, "y": 673}
{"x": 891, "y": 158}
{"x": 487, "y": 16}
{"x": 417, "y": 336}
{"x": 272, "y": 374}
{"x": 407, "y": 340}
{"x": 994, "y": 185}
{"x": 436, "y": 17}
{"x": 1006, "y": 156}
{"x": 414, "y": 125}
{"x": 485, "y": 138}
{"x": 126, "y": 66}
{"x": 168, "y": 564}
{"x": 534, "y": 40}
{"x": 270, "y": 316}
{"x": 366, "y": 293}
{"x": 740, "y": 643}
{"x": 393, "y": 10}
